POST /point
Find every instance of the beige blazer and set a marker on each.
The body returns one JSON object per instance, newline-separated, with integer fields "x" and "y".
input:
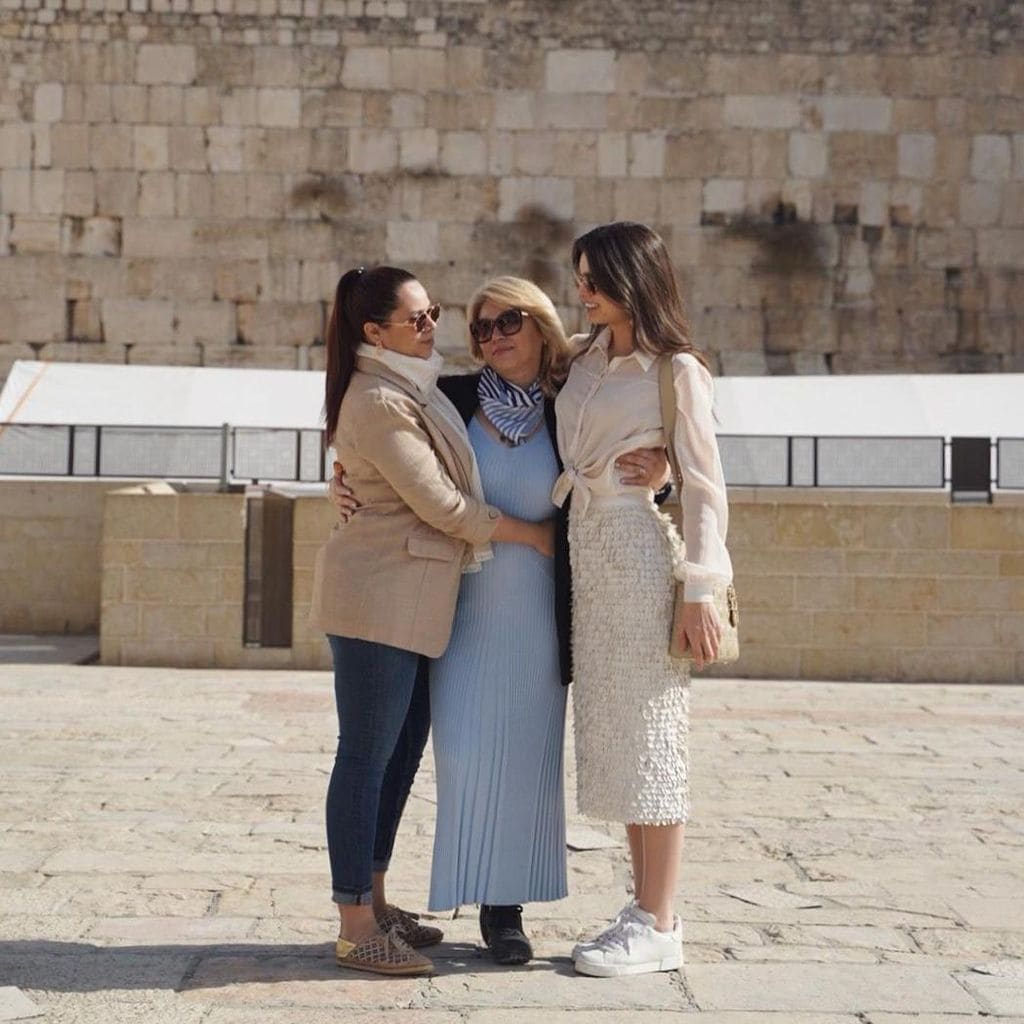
{"x": 391, "y": 574}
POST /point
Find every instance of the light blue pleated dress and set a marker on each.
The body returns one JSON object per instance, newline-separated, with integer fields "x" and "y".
{"x": 498, "y": 707}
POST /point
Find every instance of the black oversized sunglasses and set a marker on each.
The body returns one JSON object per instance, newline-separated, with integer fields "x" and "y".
{"x": 418, "y": 320}
{"x": 508, "y": 322}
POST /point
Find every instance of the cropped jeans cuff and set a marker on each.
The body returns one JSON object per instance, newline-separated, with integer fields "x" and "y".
{"x": 381, "y": 865}
{"x": 353, "y": 899}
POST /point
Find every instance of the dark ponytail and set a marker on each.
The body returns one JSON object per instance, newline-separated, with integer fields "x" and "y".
{"x": 362, "y": 296}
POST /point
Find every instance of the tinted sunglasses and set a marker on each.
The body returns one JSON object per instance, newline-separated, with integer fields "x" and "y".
{"x": 508, "y": 323}
{"x": 586, "y": 282}
{"x": 419, "y": 320}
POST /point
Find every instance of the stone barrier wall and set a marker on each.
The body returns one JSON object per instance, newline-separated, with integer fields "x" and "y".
{"x": 841, "y": 185}
{"x": 833, "y": 585}
{"x": 50, "y": 534}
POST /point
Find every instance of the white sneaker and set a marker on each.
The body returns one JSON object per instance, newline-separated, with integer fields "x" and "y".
{"x": 625, "y": 912}
{"x": 632, "y": 946}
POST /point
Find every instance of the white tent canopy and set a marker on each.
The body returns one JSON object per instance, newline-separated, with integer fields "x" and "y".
{"x": 989, "y": 405}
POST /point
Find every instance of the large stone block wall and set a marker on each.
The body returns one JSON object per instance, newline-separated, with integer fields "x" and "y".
{"x": 833, "y": 585}
{"x": 847, "y": 585}
{"x": 841, "y": 185}
{"x": 50, "y": 534}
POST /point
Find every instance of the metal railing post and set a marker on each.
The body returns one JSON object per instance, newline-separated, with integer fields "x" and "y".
{"x": 225, "y": 443}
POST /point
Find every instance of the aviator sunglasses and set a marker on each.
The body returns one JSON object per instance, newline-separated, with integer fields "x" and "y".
{"x": 418, "y": 320}
{"x": 508, "y": 323}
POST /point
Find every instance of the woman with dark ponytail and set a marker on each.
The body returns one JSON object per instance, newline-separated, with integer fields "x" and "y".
{"x": 386, "y": 584}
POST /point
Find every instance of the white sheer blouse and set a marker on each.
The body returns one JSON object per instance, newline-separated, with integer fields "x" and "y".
{"x": 607, "y": 408}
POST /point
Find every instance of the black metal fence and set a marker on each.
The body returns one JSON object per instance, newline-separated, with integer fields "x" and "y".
{"x": 276, "y": 454}
{"x": 175, "y": 453}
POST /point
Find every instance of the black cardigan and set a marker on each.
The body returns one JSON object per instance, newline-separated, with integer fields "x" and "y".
{"x": 462, "y": 390}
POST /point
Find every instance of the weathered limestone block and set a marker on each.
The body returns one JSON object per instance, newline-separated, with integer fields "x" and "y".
{"x": 855, "y": 156}
{"x": 116, "y": 193}
{"x": 635, "y": 200}
{"x": 31, "y": 320}
{"x": 916, "y": 155}
{"x": 16, "y": 190}
{"x": 129, "y": 103}
{"x": 724, "y": 195}
{"x": 408, "y": 110}
{"x": 156, "y": 194}
{"x": 162, "y": 238}
{"x": 580, "y": 71}
{"x": 48, "y": 102}
{"x": 224, "y": 149}
{"x": 463, "y": 153}
{"x": 514, "y": 109}
{"x": 372, "y": 152}
{"x": 808, "y": 154}
{"x": 417, "y": 69}
{"x": 703, "y": 155}
{"x": 93, "y": 236}
{"x": 458, "y": 200}
{"x": 991, "y": 158}
{"x": 553, "y": 195}
{"x": 980, "y": 204}
{"x": 646, "y": 155}
{"x": 762, "y": 112}
{"x": 279, "y": 108}
{"x": 460, "y": 111}
{"x": 162, "y": 63}
{"x": 1001, "y": 247}
{"x": 276, "y": 65}
{"x": 186, "y": 149}
{"x": 34, "y": 234}
{"x": 913, "y": 115}
{"x": 47, "y": 191}
{"x": 16, "y": 146}
{"x": 418, "y": 149}
{"x": 412, "y": 242}
{"x": 856, "y": 113}
{"x": 205, "y": 322}
{"x": 111, "y": 146}
{"x": 85, "y": 322}
{"x": 611, "y": 154}
{"x": 151, "y": 147}
{"x": 280, "y": 323}
{"x": 534, "y": 152}
{"x": 132, "y": 321}
{"x": 69, "y": 146}
{"x": 571, "y": 111}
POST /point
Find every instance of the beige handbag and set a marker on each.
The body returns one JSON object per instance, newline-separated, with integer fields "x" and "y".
{"x": 725, "y": 600}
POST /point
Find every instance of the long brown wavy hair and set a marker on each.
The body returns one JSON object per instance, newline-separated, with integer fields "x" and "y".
{"x": 630, "y": 264}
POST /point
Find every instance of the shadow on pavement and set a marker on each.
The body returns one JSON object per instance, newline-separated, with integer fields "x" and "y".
{"x": 84, "y": 967}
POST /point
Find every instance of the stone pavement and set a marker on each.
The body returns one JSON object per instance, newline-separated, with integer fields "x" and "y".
{"x": 856, "y": 855}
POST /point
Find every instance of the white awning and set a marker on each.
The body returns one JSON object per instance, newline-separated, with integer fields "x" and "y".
{"x": 989, "y": 405}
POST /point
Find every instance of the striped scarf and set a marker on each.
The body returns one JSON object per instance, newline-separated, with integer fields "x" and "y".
{"x": 516, "y": 412}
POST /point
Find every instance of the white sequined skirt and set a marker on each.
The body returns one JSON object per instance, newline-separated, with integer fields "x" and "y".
{"x": 630, "y": 699}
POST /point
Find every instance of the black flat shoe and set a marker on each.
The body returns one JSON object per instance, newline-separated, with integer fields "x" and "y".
{"x": 502, "y": 931}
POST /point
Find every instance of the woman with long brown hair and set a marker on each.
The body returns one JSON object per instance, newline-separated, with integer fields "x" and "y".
{"x": 630, "y": 697}
{"x": 386, "y": 584}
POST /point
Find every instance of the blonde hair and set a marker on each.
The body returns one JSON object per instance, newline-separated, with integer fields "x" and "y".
{"x": 518, "y": 293}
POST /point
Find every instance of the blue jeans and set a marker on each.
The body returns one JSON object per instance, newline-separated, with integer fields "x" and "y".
{"x": 383, "y": 699}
